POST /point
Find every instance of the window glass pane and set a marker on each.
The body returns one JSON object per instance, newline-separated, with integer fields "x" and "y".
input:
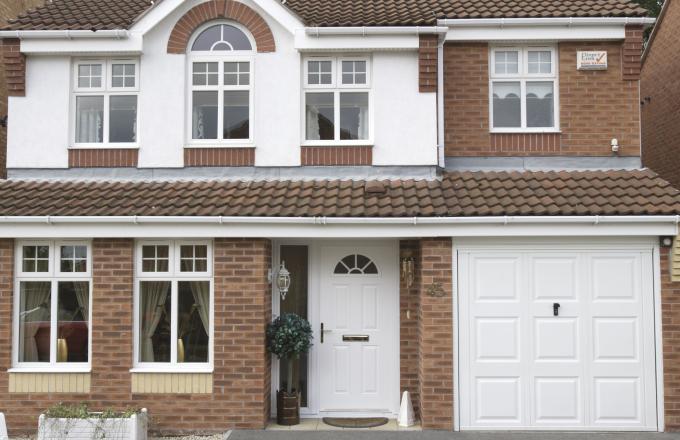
{"x": 89, "y": 119}
{"x": 193, "y": 321}
{"x": 89, "y": 76}
{"x": 354, "y": 116}
{"x": 193, "y": 258}
{"x": 236, "y": 74}
{"x": 35, "y": 258}
{"x": 155, "y": 258}
{"x": 221, "y": 37}
{"x": 123, "y": 119}
{"x": 72, "y": 321}
{"x": 320, "y": 117}
{"x": 506, "y": 62}
{"x": 236, "y": 115}
{"x": 354, "y": 72}
{"x": 539, "y": 61}
{"x": 155, "y": 312}
{"x": 319, "y": 72}
{"x": 205, "y": 74}
{"x": 34, "y": 321}
{"x": 123, "y": 75}
{"x": 540, "y": 105}
{"x": 73, "y": 259}
{"x": 204, "y": 115}
{"x": 507, "y": 104}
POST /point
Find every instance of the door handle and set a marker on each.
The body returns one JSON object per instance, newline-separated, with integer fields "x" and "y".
{"x": 556, "y": 309}
{"x": 322, "y": 332}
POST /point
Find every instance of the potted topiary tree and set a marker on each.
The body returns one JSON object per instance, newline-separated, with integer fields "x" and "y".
{"x": 288, "y": 337}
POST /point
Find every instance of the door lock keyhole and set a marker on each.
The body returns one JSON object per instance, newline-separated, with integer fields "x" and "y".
{"x": 556, "y": 309}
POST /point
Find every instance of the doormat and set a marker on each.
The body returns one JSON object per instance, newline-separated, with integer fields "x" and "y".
{"x": 342, "y": 422}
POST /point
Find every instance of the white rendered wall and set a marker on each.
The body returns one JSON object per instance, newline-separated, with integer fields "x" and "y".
{"x": 404, "y": 119}
{"x": 38, "y": 130}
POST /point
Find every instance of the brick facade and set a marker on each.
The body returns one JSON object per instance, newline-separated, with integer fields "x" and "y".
{"x": 216, "y": 9}
{"x": 427, "y": 63}
{"x": 336, "y": 156}
{"x": 660, "y": 93}
{"x": 670, "y": 320}
{"x": 595, "y": 106}
{"x": 409, "y": 319}
{"x": 103, "y": 157}
{"x": 219, "y": 157}
{"x": 240, "y": 396}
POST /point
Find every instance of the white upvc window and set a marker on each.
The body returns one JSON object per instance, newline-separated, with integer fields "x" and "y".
{"x": 173, "y": 306}
{"x": 53, "y": 306}
{"x": 105, "y": 103}
{"x": 220, "y": 72}
{"x": 337, "y": 101}
{"x": 523, "y": 89}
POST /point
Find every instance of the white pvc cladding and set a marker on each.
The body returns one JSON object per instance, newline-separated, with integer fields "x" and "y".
{"x": 333, "y": 227}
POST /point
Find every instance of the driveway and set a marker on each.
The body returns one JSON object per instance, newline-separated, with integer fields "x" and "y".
{"x": 441, "y": 435}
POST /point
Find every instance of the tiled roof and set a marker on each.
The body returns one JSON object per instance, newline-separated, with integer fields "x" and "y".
{"x": 120, "y": 14}
{"x": 456, "y": 194}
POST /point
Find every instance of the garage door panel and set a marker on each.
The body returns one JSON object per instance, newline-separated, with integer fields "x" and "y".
{"x": 559, "y": 401}
{"x": 590, "y": 367}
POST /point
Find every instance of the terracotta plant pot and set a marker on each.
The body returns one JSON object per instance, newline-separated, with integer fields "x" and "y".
{"x": 287, "y": 408}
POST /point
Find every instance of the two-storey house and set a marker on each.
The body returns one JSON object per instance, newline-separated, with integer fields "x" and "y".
{"x": 455, "y": 189}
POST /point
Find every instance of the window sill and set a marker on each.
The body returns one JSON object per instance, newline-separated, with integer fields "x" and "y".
{"x": 524, "y": 131}
{"x": 244, "y": 145}
{"x": 172, "y": 370}
{"x": 48, "y": 370}
{"x": 338, "y": 144}
{"x": 104, "y": 147}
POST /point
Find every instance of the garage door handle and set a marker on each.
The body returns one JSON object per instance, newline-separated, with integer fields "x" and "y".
{"x": 556, "y": 309}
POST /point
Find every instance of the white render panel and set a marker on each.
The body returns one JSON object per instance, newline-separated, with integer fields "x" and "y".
{"x": 38, "y": 133}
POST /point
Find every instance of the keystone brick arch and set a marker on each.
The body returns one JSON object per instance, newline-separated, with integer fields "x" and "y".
{"x": 216, "y": 9}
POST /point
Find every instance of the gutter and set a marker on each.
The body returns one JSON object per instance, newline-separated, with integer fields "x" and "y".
{"x": 547, "y": 21}
{"x": 324, "y": 221}
{"x": 66, "y": 34}
{"x": 375, "y": 30}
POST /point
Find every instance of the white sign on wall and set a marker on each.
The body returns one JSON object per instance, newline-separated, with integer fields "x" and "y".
{"x": 591, "y": 60}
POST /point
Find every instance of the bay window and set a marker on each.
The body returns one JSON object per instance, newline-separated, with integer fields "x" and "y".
{"x": 523, "y": 88}
{"x": 337, "y": 100}
{"x": 220, "y": 72}
{"x": 173, "y": 304}
{"x": 53, "y": 304}
{"x": 105, "y": 101}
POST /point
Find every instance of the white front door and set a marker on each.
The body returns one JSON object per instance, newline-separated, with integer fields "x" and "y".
{"x": 359, "y": 355}
{"x": 557, "y": 339}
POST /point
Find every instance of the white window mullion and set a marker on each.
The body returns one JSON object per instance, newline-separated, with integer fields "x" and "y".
{"x": 173, "y": 322}
{"x": 220, "y": 101}
{"x": 336, "y": 114}
{"x": 54, "y": 303}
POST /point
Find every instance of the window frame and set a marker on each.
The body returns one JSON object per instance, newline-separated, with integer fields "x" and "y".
{"x": 54, "y": 276}
{"x": 106, "y": 92}
{"x": 337, "y": 88}
{"x": 220, "y": 57}
{"x": 522, "y": 77}
{"x": 174, "y": 276}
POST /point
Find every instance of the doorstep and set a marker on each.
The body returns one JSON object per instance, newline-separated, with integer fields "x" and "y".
{"x": 319, "y": 425}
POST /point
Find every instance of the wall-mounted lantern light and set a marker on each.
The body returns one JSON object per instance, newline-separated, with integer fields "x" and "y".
{"x": 283, "y": 280}
{"x": 408, "y": 271}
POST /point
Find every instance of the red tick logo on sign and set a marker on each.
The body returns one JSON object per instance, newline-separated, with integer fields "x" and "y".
{"x": 591, "y": 60}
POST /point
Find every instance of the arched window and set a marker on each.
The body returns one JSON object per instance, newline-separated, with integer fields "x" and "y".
{"x": 221, "y": 60}
{"x": 356, "y": 264}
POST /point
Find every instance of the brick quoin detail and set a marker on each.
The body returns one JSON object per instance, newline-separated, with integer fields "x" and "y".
{"x": 15, "y": 67}
{"x": 427, "y": 63}
{"x": 336, "y": 156}
{"x": 103, "y": 158}
{"x": 242, "y": 370}
{"x": 595, "y": 106}
{"x": 221, "y": 9}
{"x": 660, "y": 93}
{"x": 219, "y": 157}
{"x": 409, "y": 304}
{"x": 435, "y": 334}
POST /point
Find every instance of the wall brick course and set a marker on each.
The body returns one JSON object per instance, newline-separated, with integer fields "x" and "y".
{"x": 427, "y": 63}
{"x": 335, "y": 156}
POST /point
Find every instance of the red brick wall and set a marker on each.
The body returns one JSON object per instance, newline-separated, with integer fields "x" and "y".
{"x": 241, "y": 378}
{"x": 409, "y": 305}
{"x": 336, "y": 156}
{"x": 660, "y": 92}
{"x": 215, "y": 9}
{"x": 103, "y": 157}
{"x": 670, "y": 320}
{"x": 427, "y": 63}
{"x": 595, "y": 106}
{"x": 435, "y": 334}
{"x": 219, "y": 157}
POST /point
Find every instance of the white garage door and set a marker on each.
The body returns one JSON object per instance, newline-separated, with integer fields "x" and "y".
{"x": 590, "y": 367}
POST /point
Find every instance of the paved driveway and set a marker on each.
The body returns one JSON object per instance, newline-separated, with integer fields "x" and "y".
{"x": 441, "y": 435}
